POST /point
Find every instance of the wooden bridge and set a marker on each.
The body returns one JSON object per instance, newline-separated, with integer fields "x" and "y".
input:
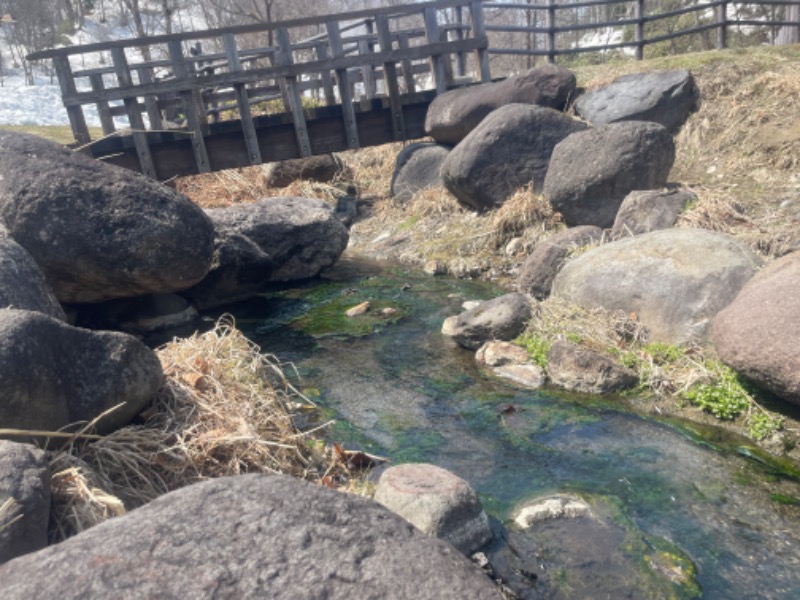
{"x": 203, "y": 101}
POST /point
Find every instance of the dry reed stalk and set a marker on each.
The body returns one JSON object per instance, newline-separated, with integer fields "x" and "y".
{"x": 9, "y": 513}
{"x": 224, "y": 409}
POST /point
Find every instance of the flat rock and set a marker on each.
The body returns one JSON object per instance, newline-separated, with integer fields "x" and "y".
{"x": 436, "y": 502}
{"x": 664, "y": 97}
{"x": 579, "y": 369}
{"x": 650, "y": 210}
{"x": 25, "y": 478}
{"x": 674, "y": 280}
{"x": 301, "y": 236}
{"x": 757, "y": 334}
{"x": 592, "y": 171}
{"x": 452, "y": 115}
{"x": 22, "y": 284}
{"x": 511, "y": 148}
{"x": 553, "y": 507}
{"x": 502, "y": 318}
{"x": 530, "y": 376}
{"x": 418, "y": 167}
{"x": 53, "y": 374}
{"x": 537, "y": 273}
{"x": 97, "y": 231}
{"x": 252, "y": 536}
{"x": 497, "y": 354}
{"x": 323, "y": 168}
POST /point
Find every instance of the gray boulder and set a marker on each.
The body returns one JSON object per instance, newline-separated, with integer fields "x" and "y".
{"x": 674, "y": 280}
{"x": 646, "y": 211}
{"x": 592, "y": 171}
{"x": 579, "y": 369}
{"x": 99, "y": 232}
{"x": 452, "y": 115}
{"x": 757, "y": 334}
{"x": 537, "y": 273}
{"x": 418, "y": 167}
{"x": 252, "y": 536}
{"x": 502, "y": 318}
{"x": 301, "y": 236}
{"x": 436, "y": 502}
{"x": 322, "y": 168}
{"x": 22, "y": 284}
{"x": 664, "y": 97}
{"x": 53, "y": 374}
{"x": 510, "y": 148}
{"x": 25, "y": 478}
{"x": 240, "y": 270}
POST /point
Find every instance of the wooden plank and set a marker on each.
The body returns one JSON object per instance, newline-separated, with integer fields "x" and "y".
{"x": 393, "y": 11}
{"x": 408, "y": 67}
{"x": 134, "y": 113}
{"x": 103, "y": 109}
{"x": 284, "y": 57}
{"x": 228, "y": 79}
{"x": 75, "y": 113}
{"x": 321, "y": 50}
{"x": 390, "y": 78}
{"x": 198, "y": 125}
{"x": 343, "y": 80}
{"x": 242, "y": 102}
{"x": 437, "y": 62}
{"x": 479, "y": 33}
{"x": 150, "y": 101}
{"x": 367, "y": 74}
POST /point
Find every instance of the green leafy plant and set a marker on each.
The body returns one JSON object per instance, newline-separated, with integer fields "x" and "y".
{"x": 537, "y": 347}
{"x": 763, "y": 425}
{"x": 663, "y": 353}
{"x": 725, "y": 396}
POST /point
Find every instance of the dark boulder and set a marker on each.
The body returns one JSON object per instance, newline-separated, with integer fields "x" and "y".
{"x": 537, "y": 273}
{"x": 301, "y": 236}
{"x": 592, "y": 171}
{"x": 53, "y": 374}
{"x": 511, "y": 148}
{"x": 664, "y": 97}
{"x": 240, "y": 270}
{"x": 22, "y": 284}
{"x": 25, "y": 479}
{"x": 757, "y": 334}
{"x": 452, "y": 115}
{"x": 99, "y": 232}
{"x": 418, "y": 167}
{"x": 252, "y": 536}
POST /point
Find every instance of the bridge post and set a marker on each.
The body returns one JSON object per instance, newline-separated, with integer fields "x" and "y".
{"x": 479, "y": 30}
{"x": 639, "y": 34}
{"x": 390, "y": 78}
{"x": 283, "y": 59}
{"x": 103, "y": 109}
{"x": 722, "y": 24}
{"x": 134, "y": 114}
{"x": 75, "y": 113}
{"x": 343, "y": 81}
{"x": 191, "y": 100}
{"x": 242, "y": 101}
{"x": 437, "y": 61}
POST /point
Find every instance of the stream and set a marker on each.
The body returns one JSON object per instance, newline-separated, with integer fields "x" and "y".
{"x": 681, "y": 511}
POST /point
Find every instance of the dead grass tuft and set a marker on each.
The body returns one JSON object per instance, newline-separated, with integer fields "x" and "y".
{"x": 224, "y": 409}
{"x": 522, "y": 211}
{"x": 223, "y": 188}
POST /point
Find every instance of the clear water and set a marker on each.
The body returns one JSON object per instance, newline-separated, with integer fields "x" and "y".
{"x": 405, "y": 392}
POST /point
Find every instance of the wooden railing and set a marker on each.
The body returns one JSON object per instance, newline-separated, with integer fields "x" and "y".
{"x": 225, "y": 72}
{"x": 552, "y": 37}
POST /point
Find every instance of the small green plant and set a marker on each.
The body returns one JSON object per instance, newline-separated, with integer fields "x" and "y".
{"x": 763, "y": 425}
{"x": 537, "y": 347}
{"x": 575, "y": 338}
{"x": 663, "y": 353}
{"x": 725, "y": 396}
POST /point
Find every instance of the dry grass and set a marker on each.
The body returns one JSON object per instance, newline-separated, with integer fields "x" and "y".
{"x": 224, "y": 409}
{"x": 9, "y": 513}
